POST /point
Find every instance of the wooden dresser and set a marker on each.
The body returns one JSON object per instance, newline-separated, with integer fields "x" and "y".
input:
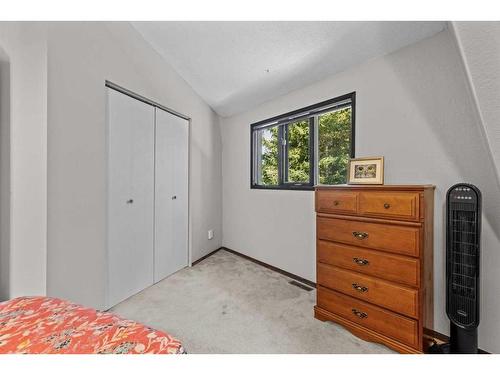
{"x": 375, "y": 262}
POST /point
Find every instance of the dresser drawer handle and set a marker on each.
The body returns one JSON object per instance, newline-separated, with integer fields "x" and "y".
{"x": 336, "y": 203}
{"x": 360, "y": 314}
{"x": 360, "y": 288}
{"x": 387, "y": 206}
{"x": 360, "y": 262}
{"x": 360, "y": 235}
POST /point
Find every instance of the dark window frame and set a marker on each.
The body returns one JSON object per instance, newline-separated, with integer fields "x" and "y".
{"x": 283, "y": 121}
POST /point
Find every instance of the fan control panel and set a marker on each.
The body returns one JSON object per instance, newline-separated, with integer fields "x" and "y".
{"x": 463, "y": 194}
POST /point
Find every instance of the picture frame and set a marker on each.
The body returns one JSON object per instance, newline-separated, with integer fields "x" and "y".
{"x": 366, "y": 171}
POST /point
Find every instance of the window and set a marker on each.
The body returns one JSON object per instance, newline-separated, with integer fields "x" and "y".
{"x": 267, "y": 141}
{"x": 302, "y": 148}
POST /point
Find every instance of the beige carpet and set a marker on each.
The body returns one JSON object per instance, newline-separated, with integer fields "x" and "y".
{"x": 227, "y": 304}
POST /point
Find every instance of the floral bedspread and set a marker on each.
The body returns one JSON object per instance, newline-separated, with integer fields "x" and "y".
{"x": 39, "y": 325}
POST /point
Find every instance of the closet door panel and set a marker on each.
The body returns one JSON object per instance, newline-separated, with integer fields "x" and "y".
{"x": 130, "y": 196}
{"x": 171, "y": 194}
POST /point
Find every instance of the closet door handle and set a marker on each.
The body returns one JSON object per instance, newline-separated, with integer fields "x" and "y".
{"x": 174, "y": 197}
{"x": 130, "y": 201}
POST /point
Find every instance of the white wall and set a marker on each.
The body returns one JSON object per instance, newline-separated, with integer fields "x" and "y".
{"x": 4, "y": 175}
{"x": 412, "y": 106}
{"x": 81, "y": 57}
{"x": 24, "y": 159}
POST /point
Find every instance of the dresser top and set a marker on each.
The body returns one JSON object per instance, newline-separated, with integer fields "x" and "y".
{"x": 375, "y": 187}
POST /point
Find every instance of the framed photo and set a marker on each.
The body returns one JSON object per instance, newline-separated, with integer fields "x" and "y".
{"x": 366, "y": 171}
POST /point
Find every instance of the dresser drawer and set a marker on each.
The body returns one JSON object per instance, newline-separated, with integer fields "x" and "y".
{"x": 371, "y": 262}
{"x": 377, "y": 291}
{"x": 375, "y": 318}
{"x": 337, "y": 201}
{"x": 395, "y": 205}
{"x": 393, "y": 238}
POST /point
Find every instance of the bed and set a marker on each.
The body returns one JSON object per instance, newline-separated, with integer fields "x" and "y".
{"x": 43, "y": 325}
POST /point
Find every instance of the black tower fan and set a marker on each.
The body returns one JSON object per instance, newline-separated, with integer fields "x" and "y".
{"x": 463, "y": 230}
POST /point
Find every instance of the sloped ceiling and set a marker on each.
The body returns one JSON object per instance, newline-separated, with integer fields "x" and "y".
{"x": 235, "y": 66}
{"x": 479, "y": 43}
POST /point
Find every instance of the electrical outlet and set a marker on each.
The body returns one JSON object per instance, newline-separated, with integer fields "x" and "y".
{"x": 210, "y": 234}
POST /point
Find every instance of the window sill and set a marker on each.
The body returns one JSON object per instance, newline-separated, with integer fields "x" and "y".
{"x": 283, "y": 187}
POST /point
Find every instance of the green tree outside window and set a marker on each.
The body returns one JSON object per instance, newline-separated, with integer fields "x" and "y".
{"x": 333, "y": 150}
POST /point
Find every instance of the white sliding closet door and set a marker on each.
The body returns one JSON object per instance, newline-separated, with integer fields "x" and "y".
{"x": 130, "y": 196}
{"x": 171, "y": 194}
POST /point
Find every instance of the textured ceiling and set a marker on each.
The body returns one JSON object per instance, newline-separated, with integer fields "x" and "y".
{"x": 235, "y": 66}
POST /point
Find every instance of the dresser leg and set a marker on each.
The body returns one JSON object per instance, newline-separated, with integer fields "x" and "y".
{"x": 319, "y": 316}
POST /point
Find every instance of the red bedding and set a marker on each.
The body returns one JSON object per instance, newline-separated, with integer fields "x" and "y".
{"x": 49, "y": 325}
